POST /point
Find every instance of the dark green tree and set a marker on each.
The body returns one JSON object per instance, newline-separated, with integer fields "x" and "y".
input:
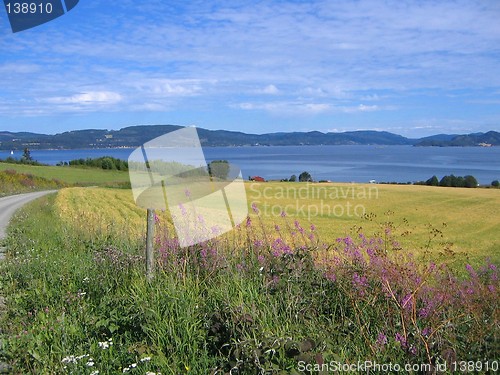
{"x": 305, "y": 177}
{"x": 219, "y": 169}
{"x": 470, "y": 181}
{"x": 459, "y": 182}
{"x": 293, "y": 178}
{"x": 433, "y": 181}
{"x": 26, "y": 155}
{"x": 445, "y": 181}
{"x": 495, "y": 183}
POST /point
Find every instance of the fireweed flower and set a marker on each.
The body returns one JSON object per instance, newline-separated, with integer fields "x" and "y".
{"x": 381, "y": 339}
{"x": 258, "y": 243}
{"x": 471, "y": 271}
{"x": 423, "y": 312}
{"x": 254, "y": 208}
{"x": 407, "y": 302}
{"x": 330, "y": 276}
{"x": 401, "y": 339}
{"x": 360, "y": 283}
{"x": 183, "y": 209}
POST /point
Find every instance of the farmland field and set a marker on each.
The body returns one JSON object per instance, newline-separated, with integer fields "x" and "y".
{"x": 444, "y": 221}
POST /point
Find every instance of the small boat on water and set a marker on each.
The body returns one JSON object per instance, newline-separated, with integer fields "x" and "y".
{"x": 12, "y": 152}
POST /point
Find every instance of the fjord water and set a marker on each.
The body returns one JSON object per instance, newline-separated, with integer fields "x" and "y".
{"x": 350, "y": 163}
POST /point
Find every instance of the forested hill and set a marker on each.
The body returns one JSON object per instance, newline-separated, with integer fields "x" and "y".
{"x": 490, "y": 138}
{"x": 135, "y": 136}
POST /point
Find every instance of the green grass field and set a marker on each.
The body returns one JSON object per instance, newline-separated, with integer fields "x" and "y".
{"x": 70, "y": 175}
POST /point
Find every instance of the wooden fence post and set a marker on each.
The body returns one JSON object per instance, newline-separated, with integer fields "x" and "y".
{"x": 149, "y": 244}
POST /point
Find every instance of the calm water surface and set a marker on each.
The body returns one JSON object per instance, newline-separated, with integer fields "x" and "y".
{"x": 336, "y": 163}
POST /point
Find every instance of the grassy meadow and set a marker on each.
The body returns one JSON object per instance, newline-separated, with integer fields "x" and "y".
{"x": 319, "y": 276}
{"x": 71, "y": 175}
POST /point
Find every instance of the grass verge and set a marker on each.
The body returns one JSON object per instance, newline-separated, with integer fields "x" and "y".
{"x": 12, "y": 182}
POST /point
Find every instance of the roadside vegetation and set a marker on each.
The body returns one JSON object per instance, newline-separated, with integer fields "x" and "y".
{"x": 12, "y": 182}
{"x": 269, "y": 299}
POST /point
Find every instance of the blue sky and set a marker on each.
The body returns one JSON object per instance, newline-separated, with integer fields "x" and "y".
{"x": 410, "y": 67}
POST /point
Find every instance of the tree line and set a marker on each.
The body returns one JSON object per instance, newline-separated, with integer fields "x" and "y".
{"x": 105, "y": 162}
{"x": 451, "y": 181}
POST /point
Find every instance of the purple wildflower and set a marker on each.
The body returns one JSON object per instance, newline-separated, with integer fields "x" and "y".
{"x": 401, "y": 339}
{"x": 381, "y": 339}
{"x": 330, "y": 276}
{"x": 183, "y": 209}
{"x": 258, "y": 243}
{"x": 423, "y": 313}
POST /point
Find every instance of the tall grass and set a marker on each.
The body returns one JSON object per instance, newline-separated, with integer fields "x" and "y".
{"x": 267, "y": 300}
{"x": 12, "y": 182}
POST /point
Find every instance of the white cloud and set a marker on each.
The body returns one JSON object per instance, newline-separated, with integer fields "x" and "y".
{"x": 19, "y": 68}
{"x": 371, "y": 97}
{"x": 161, "y": 87}
{"x": 87, "y": 98}
{"x": 287, "y": 108}
{"x": 270, "y": 90}
{"x": 368, "y": 108}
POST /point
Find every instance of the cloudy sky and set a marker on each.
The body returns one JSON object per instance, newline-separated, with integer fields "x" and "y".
{"x": 411, "y": 67}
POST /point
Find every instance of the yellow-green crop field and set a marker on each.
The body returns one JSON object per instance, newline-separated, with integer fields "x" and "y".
{"x": 423, "y": 220}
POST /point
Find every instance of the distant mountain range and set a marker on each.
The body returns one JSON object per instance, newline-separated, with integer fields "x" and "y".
{"x": 134, "y": 136}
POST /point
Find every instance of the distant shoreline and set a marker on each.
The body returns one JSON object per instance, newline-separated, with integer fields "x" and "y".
{"x": 245, "y": 146}
{"x": 135, "y": 136}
